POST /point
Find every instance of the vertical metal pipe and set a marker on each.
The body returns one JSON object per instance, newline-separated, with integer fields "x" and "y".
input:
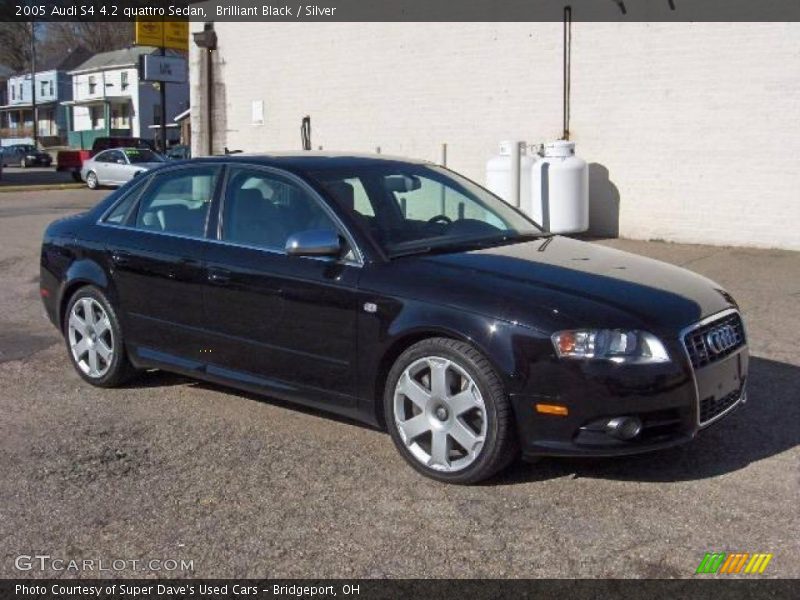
{"x": 442, "y": 199}
{"x": 566, "y": 84}
{"x": 515, "y": 172}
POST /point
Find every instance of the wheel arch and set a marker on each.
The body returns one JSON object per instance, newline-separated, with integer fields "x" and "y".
{"x": 80, "y": 274}
{"x": 402, "y": 342}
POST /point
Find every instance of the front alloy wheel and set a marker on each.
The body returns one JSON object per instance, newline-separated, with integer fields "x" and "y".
{"x": 440, "y": 414}
{"x": 448, "y": 413}
{"x": 91, "y": 180}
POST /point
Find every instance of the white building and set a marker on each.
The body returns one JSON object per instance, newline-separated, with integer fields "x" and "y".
{"x": 109, "y": 99}
{"x": 691, "y": 129}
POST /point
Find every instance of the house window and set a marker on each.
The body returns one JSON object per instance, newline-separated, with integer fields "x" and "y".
{"x": 96, "y": 115}
{"x": 50, "y": 87}
{"x": 92, "y": 84}
{"x": 123, "y": 79}
{"x": 120, "y": 117}
{"x": 43, "y": 86}
{"x": 20, "y": 91}
{"x": 13, "y": 92}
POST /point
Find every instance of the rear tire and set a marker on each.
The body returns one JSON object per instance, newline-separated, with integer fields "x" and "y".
{"x": 448, "y": 413}
{"x": 94, "y": 339}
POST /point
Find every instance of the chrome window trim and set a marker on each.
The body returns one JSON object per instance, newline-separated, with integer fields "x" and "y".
{"x": 232, "y": 244}
{"x": 303, "y": 185}
{"x": 682, "y": 337}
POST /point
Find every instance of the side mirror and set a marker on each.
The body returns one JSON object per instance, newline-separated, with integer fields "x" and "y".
{"x": 121, "y": 161}
{"x": 314, "y": 242}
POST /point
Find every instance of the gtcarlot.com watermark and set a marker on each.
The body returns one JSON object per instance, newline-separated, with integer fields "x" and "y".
{"x": 45, "y": 562}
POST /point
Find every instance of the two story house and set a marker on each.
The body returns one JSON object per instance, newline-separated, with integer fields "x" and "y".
{"x": 108, "y": 99}
{"x": 53, "y": 86}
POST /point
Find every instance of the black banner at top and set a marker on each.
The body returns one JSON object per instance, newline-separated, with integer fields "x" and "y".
{"x": 400, "y": 10}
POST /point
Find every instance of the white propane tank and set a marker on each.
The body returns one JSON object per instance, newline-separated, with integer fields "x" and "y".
{"x": 560, "y": 185}
{"x": 500, "y": 173}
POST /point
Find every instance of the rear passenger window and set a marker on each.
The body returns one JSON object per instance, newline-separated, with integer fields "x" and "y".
{"x": 178, "y": 201}
{"x": 119, "y": 216}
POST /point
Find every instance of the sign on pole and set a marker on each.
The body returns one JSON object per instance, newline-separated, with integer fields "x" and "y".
{"x": 171, "y": 69}
{"x": 163, "y": 34}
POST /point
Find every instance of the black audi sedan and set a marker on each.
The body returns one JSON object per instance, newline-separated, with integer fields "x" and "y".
{"x": 400, "y": 294}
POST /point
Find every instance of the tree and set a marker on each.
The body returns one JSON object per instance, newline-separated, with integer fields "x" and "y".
{"x": 15, "y": 45}
{"x": 59, "y": 38}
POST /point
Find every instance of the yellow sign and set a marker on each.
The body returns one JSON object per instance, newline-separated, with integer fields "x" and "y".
{"x": 163, "y": 34}
{"x": 176, "y": 35}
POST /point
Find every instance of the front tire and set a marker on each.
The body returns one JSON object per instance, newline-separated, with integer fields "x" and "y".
{"x": 94, "y": 339}
{"x": 23, "y": 163}
{"x": 91, "y": 180}
{"x": 447, "y": 412}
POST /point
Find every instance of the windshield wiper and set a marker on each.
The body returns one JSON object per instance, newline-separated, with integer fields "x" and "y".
{"x": 461, "y": 245}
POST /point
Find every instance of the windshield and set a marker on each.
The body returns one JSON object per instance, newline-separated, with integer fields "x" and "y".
{"x": 417, "y": 208}
{"x": 142, "y": 155}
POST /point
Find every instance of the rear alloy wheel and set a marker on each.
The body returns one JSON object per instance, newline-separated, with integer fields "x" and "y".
{"x": 91, "y": 180}
{"x": 94, "y": 339}
{"x": 447, "y": 412}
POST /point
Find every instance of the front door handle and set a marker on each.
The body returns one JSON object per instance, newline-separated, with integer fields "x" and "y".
{"x": 219, "y": 276}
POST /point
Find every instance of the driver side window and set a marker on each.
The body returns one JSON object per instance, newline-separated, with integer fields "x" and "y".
{"x": 263, "y": 209}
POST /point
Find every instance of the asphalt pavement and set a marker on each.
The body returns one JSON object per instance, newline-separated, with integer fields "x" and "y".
{"x": 244, "y": 486}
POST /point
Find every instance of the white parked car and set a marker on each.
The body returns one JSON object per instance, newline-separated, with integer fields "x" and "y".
{"x": 117, "y": 166}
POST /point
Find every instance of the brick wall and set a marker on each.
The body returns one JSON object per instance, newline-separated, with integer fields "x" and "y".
{"x": 692, "y": 130}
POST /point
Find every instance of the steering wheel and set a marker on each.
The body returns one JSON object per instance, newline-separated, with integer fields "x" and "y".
{"x": 440, "y": 219}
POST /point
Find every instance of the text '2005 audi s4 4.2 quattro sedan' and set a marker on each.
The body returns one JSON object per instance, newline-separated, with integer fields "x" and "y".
{"x": 397, "y": 293}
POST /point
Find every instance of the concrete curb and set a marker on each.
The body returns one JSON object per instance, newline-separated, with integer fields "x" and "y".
{"x": 41, "y": 188}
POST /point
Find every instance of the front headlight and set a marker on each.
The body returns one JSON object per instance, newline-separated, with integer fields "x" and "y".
{"x": 616, "y": 345}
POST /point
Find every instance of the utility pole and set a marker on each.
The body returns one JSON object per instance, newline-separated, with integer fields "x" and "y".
{"x": 33, "y": 87}
{"x": 163, "y": 91}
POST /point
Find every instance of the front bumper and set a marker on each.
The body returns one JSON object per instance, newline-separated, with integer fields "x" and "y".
{"x": 667, "y": 399}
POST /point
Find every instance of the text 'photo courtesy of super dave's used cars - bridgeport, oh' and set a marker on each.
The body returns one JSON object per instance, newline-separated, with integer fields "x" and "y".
{"x": 472, "y": 335}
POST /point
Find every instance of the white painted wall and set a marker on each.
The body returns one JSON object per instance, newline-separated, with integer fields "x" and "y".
{"x": 693, "y": 127}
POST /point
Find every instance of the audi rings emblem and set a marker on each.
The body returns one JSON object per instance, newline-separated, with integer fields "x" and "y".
{"x": 721, "y": 339}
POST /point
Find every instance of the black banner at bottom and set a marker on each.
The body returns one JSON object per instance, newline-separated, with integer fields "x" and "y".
{"x": 410, "y": 589}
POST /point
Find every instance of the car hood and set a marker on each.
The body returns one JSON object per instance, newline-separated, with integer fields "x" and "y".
{"x": 586, "y": 284}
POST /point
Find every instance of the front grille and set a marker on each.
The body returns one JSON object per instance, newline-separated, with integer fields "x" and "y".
{"x": 702, "y": 353}
{"x": 712, "y": 407}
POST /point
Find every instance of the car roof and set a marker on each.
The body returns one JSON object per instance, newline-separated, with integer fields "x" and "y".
{"x": 311, "y": 160}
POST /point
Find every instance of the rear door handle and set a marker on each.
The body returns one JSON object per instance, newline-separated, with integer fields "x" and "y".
{"x": 119, "y": 257}
{"x": 219, "y": 276}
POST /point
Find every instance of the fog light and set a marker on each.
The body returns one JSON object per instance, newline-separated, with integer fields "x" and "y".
{"x": 624, "y": 428}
